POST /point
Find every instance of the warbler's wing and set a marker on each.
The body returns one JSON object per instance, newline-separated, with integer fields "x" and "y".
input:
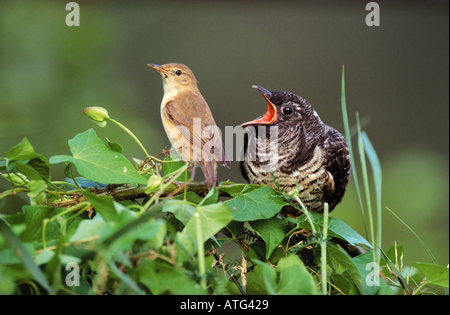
{"x": 179, "y": 134}
{"x": 193, "y": 119}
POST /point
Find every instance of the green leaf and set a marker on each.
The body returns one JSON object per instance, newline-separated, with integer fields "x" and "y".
{"x": 295, "y": 278}
{"x": 22, "y": 151}
{"x": 370, "y": 275}
{"x": 96, "y": 161}
{"x": 60, "y": 159}
{"x": 115, "y": 146}
{"x": 36, "y": 187}
{"x": 335, "y": 255}
{"x": 261, "y": 203}
{"x": 434, "y": 274}
{"x": 235, "y": 190}
{"x": 152, "y": 231}
{"x": 211, "y": 198}
{"x": 35, "y": 169}
{"x": 397, "y": 273}
{"x": 27, "y": 162}
{"x": 190, "y": 196}
{"x": 212, "y": 219}
{"x": 103, "y": 205}
{"x": 271, "y": 231}
{"x": 16, "y": 245}
{"x": 126, "y": 279}
{"x": 33, "y": 217}
{"x": 235, "y": 227}
{"x": 181, "y": 209}
{"x": 263, "y": 279}
{"x": 336, "y": 228}
{"x": 172, "y": 168}
{"x": 88, "y": 229}
{"x": 162, "y": 278}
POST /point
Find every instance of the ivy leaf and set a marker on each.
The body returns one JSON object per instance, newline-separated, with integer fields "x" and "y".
{"x": 19, "y": 249}
{"x": 261, "y": 203}
{"x": 336, "y": 228}
{"x": 103, "y": 205}
{"x": 235, "y": 190}
{"x": 171, "y": 168}
{"x": 434, "y": 274}
{"x": 271, "y": 231}
{"x": 23, "y": 151}
{"x": 36, "y": 187}
{"x": 88, "y": 229}
{"x": 295, "y": 278}
{"x": 181, "y": 209}
{"x": 263, "y": 279}
{"x": 115, "y": 146}
{"x": 151, "y": 231}
{"x": 26, "y": 161}
{"x": 211, "y": 198}
{"x": 211, "y": 219}
{"x": 35, "y": 169}
{"x": 162, "y": 278}
{"x": 96, "y": 161}
{"x": 33, "y": 216}
{"x": 337, "y": 256}
{"x": 371, "y": 282}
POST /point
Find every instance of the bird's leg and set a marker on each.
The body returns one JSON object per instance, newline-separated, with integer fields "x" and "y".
{"x": 191, "y": 169}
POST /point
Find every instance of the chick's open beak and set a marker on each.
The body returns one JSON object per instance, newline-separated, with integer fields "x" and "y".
{"x": 271, "y": 114}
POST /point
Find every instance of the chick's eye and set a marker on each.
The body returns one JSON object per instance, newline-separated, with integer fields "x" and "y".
{"x": 287, "y": 111}
{"x": 178, "y": 72}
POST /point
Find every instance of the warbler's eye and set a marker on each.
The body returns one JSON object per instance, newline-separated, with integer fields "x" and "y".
{"x": 287, "y": 111}
{"x": 178, "y": 72}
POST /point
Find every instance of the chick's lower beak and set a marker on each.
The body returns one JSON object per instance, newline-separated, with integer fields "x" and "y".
{"x": 271, "y": 114}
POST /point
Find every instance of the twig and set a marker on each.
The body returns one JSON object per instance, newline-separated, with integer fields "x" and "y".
{"x": 139, "y": 192}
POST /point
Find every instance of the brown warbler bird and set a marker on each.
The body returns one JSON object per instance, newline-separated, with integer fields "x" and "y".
{"x": 189, "y": 123}
{"x": 301, "y": 153}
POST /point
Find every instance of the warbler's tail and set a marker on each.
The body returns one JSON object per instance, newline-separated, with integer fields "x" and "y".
{"x": 209, "y": 169}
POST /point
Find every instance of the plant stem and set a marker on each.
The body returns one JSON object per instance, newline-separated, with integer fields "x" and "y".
{"x": 157, "y": 194}
{"x": 130, "y": 133}
{"x": 323, "y": 249}
{"x": 365, "y": 175}
{"x": 200, "y": 251}
{"x": 306, "y": 212}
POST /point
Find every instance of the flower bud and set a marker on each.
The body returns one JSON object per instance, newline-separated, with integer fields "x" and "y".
{"x": 18, "y": 180}
{"x": 153, "y": 183}
{"x": 99, "y": 115}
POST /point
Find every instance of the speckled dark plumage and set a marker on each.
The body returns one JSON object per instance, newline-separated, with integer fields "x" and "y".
{"x": 309, "y": 152}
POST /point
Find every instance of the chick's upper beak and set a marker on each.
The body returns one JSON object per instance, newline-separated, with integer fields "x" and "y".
{"x": 271, "y": 114}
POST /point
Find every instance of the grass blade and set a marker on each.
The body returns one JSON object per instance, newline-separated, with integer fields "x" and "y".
{"x": 397, "y": 273}
{"x": 323, "y": 248}
{"x": 420, "y": 240}
{"x": 377, "y": 175}
{"x": 365, "y": 176}
{"x": 348, "y": 138}
{"x": 126, "y": 279}
{"x": 16, "y": 245}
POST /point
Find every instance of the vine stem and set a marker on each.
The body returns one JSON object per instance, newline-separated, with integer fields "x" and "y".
{"x": 306, "y": 212}
{"x": 200, "y": 251}
{"x": 130, "y": 133}
{"x": 323, "y": 249}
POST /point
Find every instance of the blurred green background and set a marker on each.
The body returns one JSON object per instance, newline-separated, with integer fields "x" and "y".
{"x": 397, "y": 78}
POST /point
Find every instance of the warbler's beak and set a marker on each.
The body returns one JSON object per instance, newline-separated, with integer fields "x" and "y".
{"x": 158, "y": 68}
{"x": 271, "y": 114}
